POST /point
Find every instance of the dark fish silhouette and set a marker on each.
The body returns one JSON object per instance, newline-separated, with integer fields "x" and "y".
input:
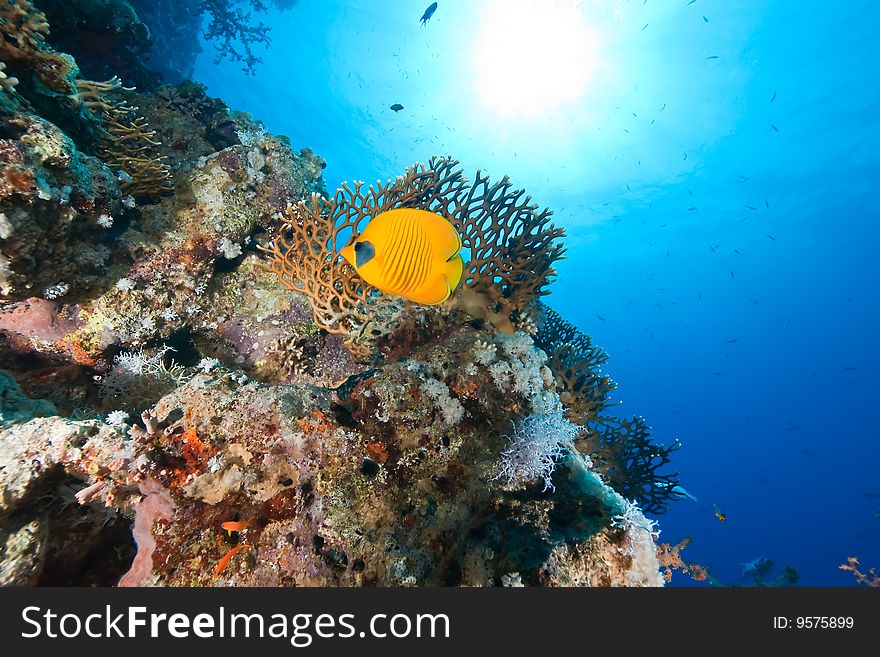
{"x": 775, "y": 129}
{"x": 396, "y": 107}
{"x": 712, "y": 57}
{"x": 428, "y": 13}
{"x": 774, "y": 97}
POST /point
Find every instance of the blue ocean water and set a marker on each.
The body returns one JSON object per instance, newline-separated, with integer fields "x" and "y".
{"x": 715, "y": 166}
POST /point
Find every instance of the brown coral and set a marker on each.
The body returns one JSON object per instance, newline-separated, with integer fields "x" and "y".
{"x": 23, "y": 31}
{"x": 129, "y": 143}
{"x": 511, "y": 248}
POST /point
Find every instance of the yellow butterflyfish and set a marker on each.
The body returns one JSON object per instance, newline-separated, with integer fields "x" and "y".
{"x": 411, "y": 253}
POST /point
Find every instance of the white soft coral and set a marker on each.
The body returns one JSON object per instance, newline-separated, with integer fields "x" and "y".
{"x": 536, "y": 444}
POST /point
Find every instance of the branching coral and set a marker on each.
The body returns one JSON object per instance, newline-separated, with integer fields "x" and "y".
{"x": 129, "y": 144}
{"x": 511, "y": 248}
{"x": 234, "y": 36}
{"x": 669, "y": 557}
{"x": 512, "y": 245}
{"x": 871, "y": 578}
{"x": 23, "y": 31}
{"x": 622, "y": 450}
{"x": 624, "y": 453}
{"x": 575, "y": 362}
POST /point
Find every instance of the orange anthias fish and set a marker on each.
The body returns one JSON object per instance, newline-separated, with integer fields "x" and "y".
{"x": 719, "y": 513}
{"x": 235, "y": 525}
{"x": 414, "y": 254}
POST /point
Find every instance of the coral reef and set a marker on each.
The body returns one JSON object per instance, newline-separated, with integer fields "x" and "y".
{"x": 172, "y": 415}
{"x": 377, "y": 485}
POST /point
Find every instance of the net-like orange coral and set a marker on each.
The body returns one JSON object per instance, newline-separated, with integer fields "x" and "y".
{"x": 510, "y": 247}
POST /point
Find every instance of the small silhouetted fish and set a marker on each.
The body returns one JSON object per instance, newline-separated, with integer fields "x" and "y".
{"x": 751, "y": 207}
{"x": 766, "y": 203}
{"x": 693, "y": 208}
{"x": 396, "y": 107}
{"x": 685, "y": 157}
{"x": 872, "y": 496}
{"x": 733, "y": 340}
{"x": 626, "y": 131}
{"x": 706, "y": 20}
{"x": 690, "y": 3}
{"x": 743, "y": 179}
{"x": 754, "y": 301}
{"x": 428, "y": 13}
{"x": 646, "y": 27}
{"x": 736, "y": 251}
{"x": 731, "y": 274}
{"x": 775, "y": 129}
{"x": 663, "y": 108}
{"x": 699, "y": 295}
{"x": 712, "y": 249}
{"x": 852, "y": 369}
{"x": 771, "y": 237}
{"x": 772, "y": 98}
{"x": 712, "y": 57}
{"x": 600, "y": 318}
{"x": 793, "y": 427}
{"x": 651, "y": 123}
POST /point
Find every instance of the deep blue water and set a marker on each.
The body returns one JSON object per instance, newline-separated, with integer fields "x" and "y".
{"x": 716, "y": 167}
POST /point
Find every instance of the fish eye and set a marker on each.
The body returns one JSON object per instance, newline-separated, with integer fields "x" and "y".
{"x": 358, "y": 246}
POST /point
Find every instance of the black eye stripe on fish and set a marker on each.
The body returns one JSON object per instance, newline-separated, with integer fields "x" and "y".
{"x": 364, "y": 252}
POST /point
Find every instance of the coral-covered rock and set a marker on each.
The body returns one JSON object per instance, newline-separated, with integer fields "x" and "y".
{"x": 51, "y": 197}
{"x": 22, "y": 552}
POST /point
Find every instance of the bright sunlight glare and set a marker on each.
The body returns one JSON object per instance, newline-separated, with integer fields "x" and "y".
{"x": 533, "y": 56}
